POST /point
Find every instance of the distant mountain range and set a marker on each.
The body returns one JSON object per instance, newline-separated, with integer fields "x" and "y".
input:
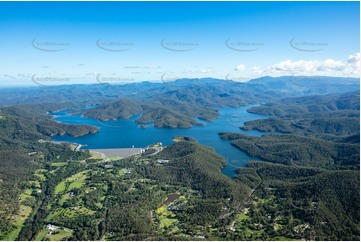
{"x": 256, "y": 90}
{"x": 306, "y": 187}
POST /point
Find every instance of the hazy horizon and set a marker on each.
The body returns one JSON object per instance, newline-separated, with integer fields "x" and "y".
{"x": 97, "y": 82}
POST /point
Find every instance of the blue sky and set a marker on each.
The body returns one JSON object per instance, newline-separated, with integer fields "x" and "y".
{"x": 77, "y": 42}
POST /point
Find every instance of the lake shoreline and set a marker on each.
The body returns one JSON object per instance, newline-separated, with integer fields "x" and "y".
{"x": 126, "y": 133}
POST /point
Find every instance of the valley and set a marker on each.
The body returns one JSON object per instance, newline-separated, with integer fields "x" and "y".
{"x": 180, "y": 121}
{"x": 239, "y": 170}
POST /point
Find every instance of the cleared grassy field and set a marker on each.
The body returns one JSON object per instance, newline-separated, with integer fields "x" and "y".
{"x": 68, "y": 213}
{"x": 57, "y": 235}
{"x": 64, "y": 198}
{"x": 242, "y": 217}
{"x": 76, "y": 181}
{"x": 99, "y": 205}
{"x": 25, "y": 194}
{"x": 40, "y": 175}
{"x": 166, "y": 217}
{"x": 161, "y": 209}
{"x": 58, "y": 164}
{"x": 64, "y": 233}
{"x": 19, "y": 220}
{"x": 42, "y": 234}
{"x": 76, "y": 184}
{"x": 78, "y": 176}
{"x": 60, "y": 187}
{"x": 121, "y": 172}
{"x": 166, "y": 222}
{"x": 282, "y": 238}
{"x": 34, "y": 184}
{"x": 13, "y": 234}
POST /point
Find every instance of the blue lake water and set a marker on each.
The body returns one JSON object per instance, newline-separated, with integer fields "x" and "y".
{"x": 126, "y": 133}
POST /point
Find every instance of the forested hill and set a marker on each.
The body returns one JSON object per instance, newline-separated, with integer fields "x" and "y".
{"x": 25, "y": 132}
{"x": 310, "y": 104}
{"x": 305, "y": 188}
{"x": 25, "y": 147}
{"x": 324, "y": 116}
{"x": 298, "y": 150}
{"x": 31, "y": 122}
{"x": 310, "y": 168}
{"x": 304, "y": 202}
{"x": 175, "y": 104}
{"x": 161, "y": 112}
{"x": 305, "y": 183}
{"x": 199, "y": 167}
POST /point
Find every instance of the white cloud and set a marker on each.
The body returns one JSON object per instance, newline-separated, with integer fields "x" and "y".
{"x": 143, "y": 67}
{"x": 240, "y": 68}
{"x": 354, "y": 58}
{"x": 199, "y": 71}
{"x": 206, "y": 71}
{"x": 353, "y": 64}
{"x": 329, "y": 67}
